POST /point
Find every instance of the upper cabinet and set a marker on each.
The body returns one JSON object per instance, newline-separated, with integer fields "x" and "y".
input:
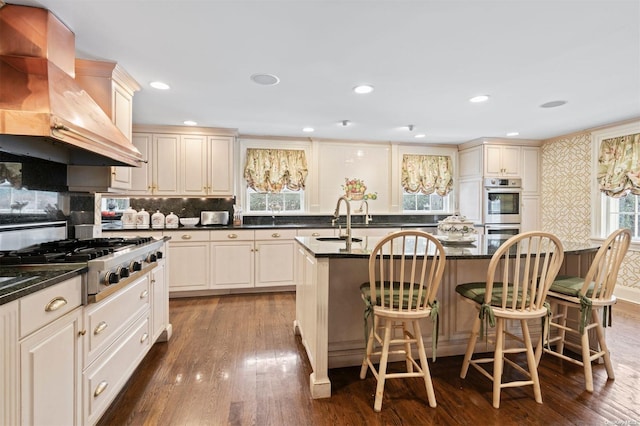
{"x": 501, "y": 160}
{"x": 112, "y": 88}
{"x": 184, "y": 162}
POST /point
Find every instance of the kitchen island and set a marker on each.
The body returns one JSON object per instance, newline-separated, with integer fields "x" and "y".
{"x": 330, "y": 311}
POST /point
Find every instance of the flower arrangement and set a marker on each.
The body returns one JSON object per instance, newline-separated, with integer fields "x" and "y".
{"x": 354, "y": 189}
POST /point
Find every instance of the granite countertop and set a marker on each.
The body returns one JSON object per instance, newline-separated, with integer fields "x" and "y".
{"x": 21, "y": 280}
{"x": 483, "y": 248}
{"x": 277, "y": 226}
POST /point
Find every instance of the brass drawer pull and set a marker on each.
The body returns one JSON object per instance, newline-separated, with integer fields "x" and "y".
{"x": 232, "y": 236}
{"x": 55, "y": 304}
{"x": 186, "y": 237}
{"x": 100, "y": 388}
{"x": 315, "y": 234}
{"x": 144, "y": 294}
{"x": 275, "y": 235}
{"x": 100, "y": 328}
{"x": 144, "y": 337}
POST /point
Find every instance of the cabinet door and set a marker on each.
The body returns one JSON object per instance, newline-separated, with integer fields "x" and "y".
{"x": 220, "y": 181}
{"x": 531, "y": 170}
{"x": 9, "y": 401}
{"x": 470, "y": 163}
{"x": 164, "y": 167}
{"x": 50, "y": 372}
{"x": 511, "y": 161}
{"x": 159, "y": 301}
{"x": 275, "y": 263}
{"x": 188, "y": 265}
{"x": 193, "y": 165}
{"x": 470, "y": 196}
{"x": 232, "y": 264}
{"x": 502, "y": 160}
{"x": 530, "y": 219}
{"x": 141, "y": 177}
{"x": 492, "y": 160}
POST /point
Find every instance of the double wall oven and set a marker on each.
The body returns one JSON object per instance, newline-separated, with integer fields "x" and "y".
{"x": 502, "y": 205}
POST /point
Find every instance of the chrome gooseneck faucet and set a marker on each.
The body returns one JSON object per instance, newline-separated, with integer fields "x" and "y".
{"x": 336, "y": 216}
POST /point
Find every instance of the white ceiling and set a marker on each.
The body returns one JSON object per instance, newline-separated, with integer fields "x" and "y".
{"x": 425, "y": 59}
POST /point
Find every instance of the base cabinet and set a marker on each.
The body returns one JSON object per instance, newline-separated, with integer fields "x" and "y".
{"x": 9, "y": 353}
{"x": 232, "y": 259}
{"x": 275, "y": 258}
{"x": 188, "y": 260}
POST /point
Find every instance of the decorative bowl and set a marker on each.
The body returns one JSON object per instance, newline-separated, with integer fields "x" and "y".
{"x": 456, "y": 228}
{"x": 189, "y": 221}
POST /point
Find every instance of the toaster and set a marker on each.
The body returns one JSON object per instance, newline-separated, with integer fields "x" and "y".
{"x": 214, "y": 218}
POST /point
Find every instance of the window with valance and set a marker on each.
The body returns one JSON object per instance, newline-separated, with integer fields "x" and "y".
{"x": 427, "y": 174}
{"x": 273, "y": 170}
{"x": 619, "y": 166}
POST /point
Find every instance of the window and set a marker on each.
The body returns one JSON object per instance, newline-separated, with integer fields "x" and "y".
{"x": 621, "y": 213}
{"x": 275, "y": 180}
{"x": 616, "y": 168}
{"x": 275, "y": 202}
{"x": 424, "y": 203}
{"x": 426, "y": 183}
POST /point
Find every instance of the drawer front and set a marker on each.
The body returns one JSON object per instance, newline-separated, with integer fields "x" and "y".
{"x": 318, "y": 232}
{"x": 185, "y": 236}
{"x": 104, "y": 379}
{"x": 275, "y": 234}
{"x": 106, "y": 320}
{"x": 41, "y": 308}
{"x": 232, "y": 235}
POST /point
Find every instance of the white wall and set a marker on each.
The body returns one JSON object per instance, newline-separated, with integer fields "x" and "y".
{"x": 330, "y": 162}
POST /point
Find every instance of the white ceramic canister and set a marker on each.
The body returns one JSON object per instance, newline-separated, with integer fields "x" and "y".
{"x": 129, "y": 217}
{"x": 157, "y": 220}
{"x": 142, "y": 219}
{"x": 172, "y": 221}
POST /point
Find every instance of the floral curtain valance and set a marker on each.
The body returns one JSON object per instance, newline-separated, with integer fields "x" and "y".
{"x": 272, "y": 170}
{"x": 427, "y": 174}
{"x": 619, "y": 166}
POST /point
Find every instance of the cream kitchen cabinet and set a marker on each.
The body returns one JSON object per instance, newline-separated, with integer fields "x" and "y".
{"x": 184, "y": 161}
{"x": 275, "y": 257}
{"x": 113, "y": 89}
{"x": 502, "y": 160}
{"x": 160, "y": 327}
{"x": 232, "y": 259}
{"x": 188, "y": 260}
{"x": 9, "y": 354}
{"x": 159, "y": 175}
{"x": 206, "y": 165}
{"x": 51, "y": 333}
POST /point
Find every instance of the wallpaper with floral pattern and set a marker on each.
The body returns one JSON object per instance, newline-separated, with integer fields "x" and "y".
{"x": 566, "y": 163}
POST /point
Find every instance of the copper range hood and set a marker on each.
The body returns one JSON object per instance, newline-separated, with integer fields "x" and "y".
{"x": 44, "y": 113}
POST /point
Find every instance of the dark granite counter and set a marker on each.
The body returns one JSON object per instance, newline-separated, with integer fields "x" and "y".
{"x": 482, "y": 248}
{"x": 21, "y": 280}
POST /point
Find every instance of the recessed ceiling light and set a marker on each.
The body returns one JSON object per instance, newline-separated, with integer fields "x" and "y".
{"x": 190, "y": 123}
{"x": 308, "y": 129}
{"x": 265, "y": 79}
{"x": 159, "y": 85}
{"x": 513, "y": 134}
{"x": 479, "y": 98}
{"x": 553, "y": 104}
{"x": 363, "y": 88}
{"x": 420, "y": 135}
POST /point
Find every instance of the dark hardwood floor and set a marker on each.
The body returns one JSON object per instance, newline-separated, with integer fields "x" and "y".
{"x": 234, "y": 360}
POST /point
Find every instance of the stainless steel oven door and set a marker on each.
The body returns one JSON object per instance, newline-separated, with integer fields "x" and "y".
{"x": 502, "y": 205}
{"x": 513, "y": 229}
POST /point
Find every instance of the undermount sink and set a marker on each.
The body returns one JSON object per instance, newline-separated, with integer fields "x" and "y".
{"x": 338, "y": 239}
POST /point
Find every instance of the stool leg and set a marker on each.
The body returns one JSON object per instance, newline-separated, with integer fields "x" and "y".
{"x": 531, "y": 361}
{"x": 407, "y": 347}
{"x": 470, "y": 347}
{"x": 561, "y": 331}
{"x": 369, "y": 349}
{"x": 602, "y": 342}
{"x": 498, "y": 362}
{"x": 382, "y": 370}
{"x": 428, "y": 384}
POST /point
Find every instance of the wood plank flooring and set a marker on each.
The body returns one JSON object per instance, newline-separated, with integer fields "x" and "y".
{"x": 234, "y": 360}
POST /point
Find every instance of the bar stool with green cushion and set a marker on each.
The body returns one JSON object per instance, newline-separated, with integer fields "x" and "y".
{"x": 587, "y": 296}
{"x": 402, "y": 288}
{"x": 519, "y": 275}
